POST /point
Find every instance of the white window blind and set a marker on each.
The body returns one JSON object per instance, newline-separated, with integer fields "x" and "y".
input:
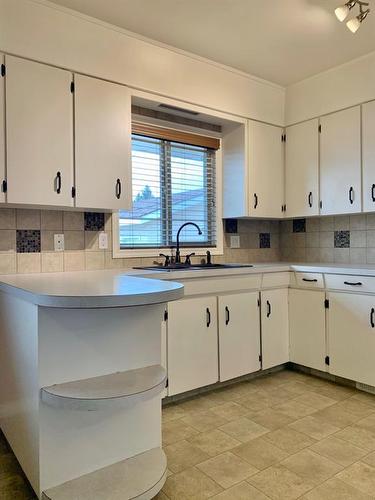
{"x": 173, "y": 183}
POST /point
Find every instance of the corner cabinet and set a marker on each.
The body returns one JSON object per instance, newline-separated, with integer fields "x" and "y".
{"x": 302, "y": 169}
{"x": 275, "y": 327}
{"x": 368, "y": 156}
{"x": 102, "y": 144}
{"x": 39, "y": 133}
{"x": 2, "y": 131}
{"x": 340, "y": 162}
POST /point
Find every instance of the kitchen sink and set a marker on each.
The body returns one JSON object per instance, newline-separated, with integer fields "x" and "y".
{"x": 194, "y": 267}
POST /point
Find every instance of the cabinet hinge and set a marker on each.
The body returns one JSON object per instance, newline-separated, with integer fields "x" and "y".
{"x": 73, "y": 192}
{"x": 326, "y": 303}
{"x": 165, "y": 315}
{"x": 320, "y": 129}
{"x": 3, "y": 70}
{"x": 260, "y": 358}
{"x": 327, "y": 360}
{"x": 72, "y": 87}
{"x": 4, "y": 186}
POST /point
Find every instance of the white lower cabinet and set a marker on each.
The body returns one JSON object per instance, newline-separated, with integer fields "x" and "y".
{"x": 351, "y": 336}
{"x": 275, "y": 328}
{"x": 239, "y": 335}
{"x": 307, "y": 328}
{"x": 192, "y": 344}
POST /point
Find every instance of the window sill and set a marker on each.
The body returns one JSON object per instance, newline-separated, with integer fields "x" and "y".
{"x": 154, "y": 252}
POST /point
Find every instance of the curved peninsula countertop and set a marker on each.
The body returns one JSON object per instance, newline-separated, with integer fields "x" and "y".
{"x": 90, "y": 289}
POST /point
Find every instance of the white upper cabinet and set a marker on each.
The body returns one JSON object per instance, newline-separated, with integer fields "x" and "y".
{"x": 2, "y": 131}
{"x": 368, "y": 156}
{"x": 266, "y": 170}
{"x": 302, "y": 169}
{"x": 340, "y": 162}
{"x": 103, "y": 144}
{"x": 39, "y": 131}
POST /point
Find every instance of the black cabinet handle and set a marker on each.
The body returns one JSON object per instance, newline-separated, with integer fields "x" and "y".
{"x": 268, "y": 309}
{"x": 310, "y": 281}
{"x": 208, "y": 314}
{"x": 255, "y": 200}
{"x": 351, "y": 195}
{"x": 372, "y": 323}
{"x": 58, "y": 182}
{"x": 118, "y": 189}
{"x": 310, "y": 199}
{"x": 358, "y": 283}
{"x": 373, "y": 192}
{"x": 227, "y": 315}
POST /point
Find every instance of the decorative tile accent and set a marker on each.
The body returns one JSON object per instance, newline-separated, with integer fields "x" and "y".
{"x": 94, "y": 221}
{"x": 342, "y": 239}
{"x": 28, "y": 241}
{"x": 299, "y": 225}
{"x": 264, "y": 240}
{"x": 231, "y": 226}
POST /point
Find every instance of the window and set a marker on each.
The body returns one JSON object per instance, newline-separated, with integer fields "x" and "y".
{"x": 173, "y": 183}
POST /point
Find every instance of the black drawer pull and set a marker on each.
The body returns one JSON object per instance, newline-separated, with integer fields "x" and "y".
{"x": 310, "y": 199}
{"x": 372, "y": 323}
{"x": 227, "y": 315}
{"x": 255, "y": 200}
{"x": 351, "y": 195}
{"x": 373, "y": 192}
{"x": 358, "y": 283}
{"x": 269, "y": 310}
{"x": 310, "y": 281}
{"x": 58, "y": 182}
{"x": 208, "y": 315}
{"x": 118, "y": 189}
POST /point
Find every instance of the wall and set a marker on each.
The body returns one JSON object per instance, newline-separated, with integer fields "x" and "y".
{"x": 45, "y": 32}
{"x": 27, "y": 242}
{"x": 341, "y": 239}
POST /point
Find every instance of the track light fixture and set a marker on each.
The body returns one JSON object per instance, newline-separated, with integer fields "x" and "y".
{"x": 353, "y": 24}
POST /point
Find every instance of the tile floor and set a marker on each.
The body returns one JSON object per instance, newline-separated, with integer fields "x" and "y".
{"x": 283, "y": 436}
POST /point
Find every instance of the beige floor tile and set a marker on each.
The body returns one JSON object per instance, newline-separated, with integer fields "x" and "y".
{"x": 296, "y": 387}
{"x": 189, "y": 484}
{"x": 197, "y": 404}
{"x": 295, "y": 409}
{"x": 358, "y": 436}
{"x": 214, "y": 442}
{"x": 356, "y": 408}
{"x": 227, "y": 469}
{"x": 289, "y": 440}
{"x": 230, "y": 411}
{"x": 369, "y": 459}
{"x": 204, "y": 421}
{"x": 279, "y": 483}
{"x": 317, "y": 401}
{"x": 271, "y": 419}
{"x": 242, "y": 491}
{"x": 313, "y": 468}
{"x": 367, "y": 423}
{"x": 253, "y": 403}
{"x": 314, "y": 427}
{"x": 243, "y": 429}
{"x": 176, "y": 430}
{"x": 363, "y": 397}
{"x": 160, "y": 496}
{"x": 339, "y": 451}
{"x": 172, "y": 412}
{"x": 337, "y": 392}
{"x": 334, "y": 489}
{"x": 337, "y": 416}
{"x": 260, "y": 453}
{"x": 360, "y": 476}
{"x": 183, "y": 455}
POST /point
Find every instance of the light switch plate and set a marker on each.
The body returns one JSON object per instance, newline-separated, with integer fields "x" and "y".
{"x": 103, "y": 241}
{"x": 235, "y": 241}
{"x": 59, "y": 243}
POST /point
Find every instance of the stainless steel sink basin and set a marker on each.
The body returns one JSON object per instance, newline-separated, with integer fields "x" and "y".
{"x": 194, "y": 267}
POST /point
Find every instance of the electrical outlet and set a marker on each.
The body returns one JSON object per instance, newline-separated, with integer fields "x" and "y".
{"x": 235, "y": 241}
{"x": 59, "y": 242}
{"x": 103, "y": 241}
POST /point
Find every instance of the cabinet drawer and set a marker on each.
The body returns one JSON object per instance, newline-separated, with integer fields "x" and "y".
{"x": 309, "y": 280}
{"x": 221, "y": 285}
{"x": 350, "y": 283}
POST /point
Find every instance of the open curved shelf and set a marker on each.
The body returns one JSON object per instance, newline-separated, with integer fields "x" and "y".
{"x": 140, "y": 477}
{"x": 120, "y": 389}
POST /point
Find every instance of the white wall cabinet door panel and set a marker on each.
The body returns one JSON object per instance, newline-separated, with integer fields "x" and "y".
{"x": 302, "y": 169}
{"x": 192, "y": 344}
{"x": 2, "y": 131}
{"x": 307, "y": 328}
{"x": 351, "y": 334}
{"x": 368, "y": 156}
{"x": 266, "y": 170}
{"x": 239, "y": 335}
{"x": 103, "y": 144}
{"x": 340, "y": 162}
{"x": 39, "y": 131}
{"x": 275, "y": 328}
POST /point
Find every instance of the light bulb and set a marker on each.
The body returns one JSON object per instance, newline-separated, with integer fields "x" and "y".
{"x": 353, "y": 24}
{"x": 342, "y": 12}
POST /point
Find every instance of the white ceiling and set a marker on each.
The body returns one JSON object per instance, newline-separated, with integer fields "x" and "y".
{"x": 283, "y": 41}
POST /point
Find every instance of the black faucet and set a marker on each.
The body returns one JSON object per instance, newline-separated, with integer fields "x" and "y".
{"x": 178, "y": 255}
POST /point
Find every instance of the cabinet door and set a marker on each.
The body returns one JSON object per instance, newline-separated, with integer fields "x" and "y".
{"x": 239, "y": 335}
{"x": 368, "y": 156}
{"x": 307, "y": 328}
{"x": 351, "y": 336}
{"x": 340, "y": 162}
{"x": 2, "y": 132}
{"x": 192, "y": 344}
{"x": 302, "y": 169}
{"x": 103, "y": 144}
{"x": 266, "y": 170}
{"x": 275, "y": 329}
{"x": 39, "y": 118}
